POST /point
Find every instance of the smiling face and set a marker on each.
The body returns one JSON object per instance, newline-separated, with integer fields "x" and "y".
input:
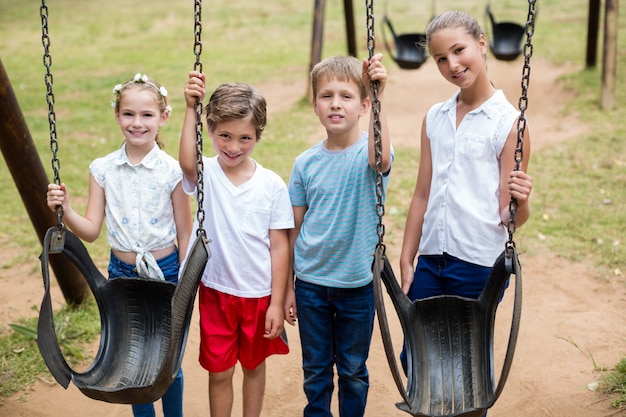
{"x": 460, "y": 57}
{"x": 234, "y": 141}
{"x": 140, "y": 117}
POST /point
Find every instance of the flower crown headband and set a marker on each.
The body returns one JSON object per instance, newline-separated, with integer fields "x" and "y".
{"x": 142, "y": 79}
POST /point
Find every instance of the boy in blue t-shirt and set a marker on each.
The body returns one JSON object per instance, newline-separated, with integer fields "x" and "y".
{"x": 333, "y": 194}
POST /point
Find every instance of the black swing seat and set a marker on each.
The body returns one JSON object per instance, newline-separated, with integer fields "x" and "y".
{"x": 410, "y": 48}
{"x": 449, "y": 343}
{"x": 507, "y": 37}
{"x": 144, "y": 326}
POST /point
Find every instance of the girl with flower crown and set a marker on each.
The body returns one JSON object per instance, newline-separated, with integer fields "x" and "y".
{"x": 138, "y": 190}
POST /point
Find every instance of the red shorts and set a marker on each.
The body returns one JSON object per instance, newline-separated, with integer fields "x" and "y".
{"x": 232, "y": 328}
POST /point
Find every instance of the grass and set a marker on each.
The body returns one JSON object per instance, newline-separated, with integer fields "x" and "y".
{"x": 579, "y": 187}
{"x": 614, "y": 384}
{"x": 20, "y": 361}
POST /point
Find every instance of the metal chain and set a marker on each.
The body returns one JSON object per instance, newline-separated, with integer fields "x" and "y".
{"x": 378, "y": 146}
{"x": 197, "y": 49}
{"x": 523, "y": 105}
{"x": 54, "y": 143}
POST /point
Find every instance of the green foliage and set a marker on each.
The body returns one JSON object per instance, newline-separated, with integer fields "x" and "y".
{"x": 614, "y": 383}
{"x": 20, "y": 361}
{"x": 579, "y": 193}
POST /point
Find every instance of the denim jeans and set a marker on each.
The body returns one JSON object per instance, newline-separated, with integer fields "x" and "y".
{"x": 169, "y": 266}
{"x": 447, "y": 275}
{"x": 173, "y": 398}
{"x": 335, "y": 327}
{"x": 172, "y": 401}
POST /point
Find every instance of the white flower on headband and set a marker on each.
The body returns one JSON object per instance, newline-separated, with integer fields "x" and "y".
{"x": 140, "y": 78}
{"x": 168, "y": 109}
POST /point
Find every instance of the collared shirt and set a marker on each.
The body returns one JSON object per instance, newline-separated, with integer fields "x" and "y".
{"x": 463, "y": 213}
{"x": 139, "y": 211}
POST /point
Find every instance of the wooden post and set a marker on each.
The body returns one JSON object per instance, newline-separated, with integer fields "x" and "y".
{"x": 317, "y": 39}
{"x": 593, "y": 23}
{"x": 609, "y": 59}
{"x": 31, "y": 181}
{"x": 350, "y": 30}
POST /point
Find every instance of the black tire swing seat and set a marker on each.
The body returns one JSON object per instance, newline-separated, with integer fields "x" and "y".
{"x": 410, "y": 48}
{"x": 449, "y": 342}
{"x": 506, "y": 38}
{"x": 144, "y": 326}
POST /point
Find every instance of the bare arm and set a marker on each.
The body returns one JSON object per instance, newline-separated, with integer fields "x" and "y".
{"x": 415, "y": 216}
{"x": 86, "y": 227}
{"x": 187, "y": 158}
{"x": 291, "y": 312}
{"x": 182, "y": 218}
{"x": 374, "y": 70}
{"x": 279, "y": 253}
{"x": 516, "y": 184}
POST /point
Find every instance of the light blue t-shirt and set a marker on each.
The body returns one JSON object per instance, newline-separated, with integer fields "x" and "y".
{"x": 338, "y": 234}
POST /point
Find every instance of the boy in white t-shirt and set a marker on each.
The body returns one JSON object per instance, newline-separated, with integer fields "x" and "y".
{"x": 247, "y": 217}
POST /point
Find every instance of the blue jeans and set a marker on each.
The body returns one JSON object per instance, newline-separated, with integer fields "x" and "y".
{"x": 447, "y": 275}
{"x": 172, "y": 401}
{"x": 336, "y": 327}
{"x": 169, "y": 266}
{"x": 173, "y": 398}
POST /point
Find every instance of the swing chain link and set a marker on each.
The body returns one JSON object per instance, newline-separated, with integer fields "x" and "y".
{"x": 54, "y": 143}
{"x": 378, "y": 147}
{"x": 197, "y": 49}
{"x": 523, "y": 105}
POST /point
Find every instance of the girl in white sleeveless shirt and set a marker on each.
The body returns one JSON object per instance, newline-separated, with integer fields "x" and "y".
{"x": 460, "y": 207}
{"x": 466, "y": 178}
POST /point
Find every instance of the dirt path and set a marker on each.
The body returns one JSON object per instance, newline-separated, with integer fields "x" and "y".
{"x": 570, "y": 318}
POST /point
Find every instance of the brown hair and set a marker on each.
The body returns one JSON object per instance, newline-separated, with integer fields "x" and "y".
{"x": 236, "y": 101}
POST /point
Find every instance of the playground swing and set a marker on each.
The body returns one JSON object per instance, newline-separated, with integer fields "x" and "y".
{"x": 449, "y": 339}
{"x": 144, "y": 321}
{"x": 506, "y": 38}
{"x": 410, "y": 48}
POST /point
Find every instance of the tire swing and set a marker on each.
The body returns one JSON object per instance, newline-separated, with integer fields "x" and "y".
{"x": 449, "y": 339}
{"x": 410, "y": 48}
{"x": 144, "y": 321}
{"x": 506, "y": 38}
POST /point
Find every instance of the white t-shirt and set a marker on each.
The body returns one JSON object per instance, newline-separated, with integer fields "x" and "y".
{"x": 463, "y": 213}
{"x": 237, "y": 222}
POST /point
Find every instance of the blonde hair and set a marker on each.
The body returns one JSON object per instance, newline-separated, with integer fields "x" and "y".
{"x": 236, "y": 101}
{"x": 342, "y": 68}
{"x": 144, "y": 84}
